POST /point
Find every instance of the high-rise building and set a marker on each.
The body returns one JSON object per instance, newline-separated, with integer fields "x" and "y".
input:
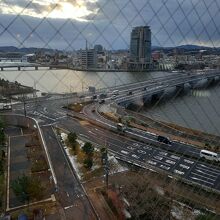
{"x": 140, "y": 48}
{"x": 88, "y": 58}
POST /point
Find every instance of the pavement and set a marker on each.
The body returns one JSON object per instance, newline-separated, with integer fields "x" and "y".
{"x": 69, "y": 191}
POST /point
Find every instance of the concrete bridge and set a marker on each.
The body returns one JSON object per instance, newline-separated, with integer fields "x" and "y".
{"x": 137, "y": 94}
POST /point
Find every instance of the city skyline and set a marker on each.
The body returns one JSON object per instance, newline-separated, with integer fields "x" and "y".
{"x": 69, "y": 23}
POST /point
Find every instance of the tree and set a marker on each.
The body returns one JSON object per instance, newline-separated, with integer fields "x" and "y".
{"x": 88, "y": 163}
{"x": 1, "y": 167}
{"x": 72, "y": 137}
{"x": 88, "y": 148}
{"x": 27, "y": 188}
{"x": 72, "y": 140}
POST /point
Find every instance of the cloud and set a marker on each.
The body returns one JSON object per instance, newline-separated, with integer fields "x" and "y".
{"x": 108, "y": 22}
{"x": 73, "y": 9}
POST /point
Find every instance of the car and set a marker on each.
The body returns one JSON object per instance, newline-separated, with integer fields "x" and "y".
{"x": 164, "y": 140}
{"x": 101, "y": 101}
{"x": 113, "y": 97}
{"x": 130, "y": 93}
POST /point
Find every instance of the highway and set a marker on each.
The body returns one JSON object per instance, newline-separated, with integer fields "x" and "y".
{"x": 136, "y": 147}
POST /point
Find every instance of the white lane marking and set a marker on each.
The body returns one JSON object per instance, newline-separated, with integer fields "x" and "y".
{"x": 164, "y": 167}
{"x": 170, "y": 162}
{"x": 124, "y": 152}
{"x": 196, "y": 174}
{"x": 175, "y": 157}
{"x": 210, "y": 169}
{"x": 135, "y": 156}
{"x": 141, "y": 151}
{"x": 194, "y": 178}
{"x": 163, "y": 153}
{"x": 92, "y": 133}
{"x": 201, "y": 171}
{"x": 160, "y": 161}
{"x": 188, "y": 161}
{"x": 152, "y": 162}
{"x": 158, "y": 157}
{"x": 179, "y": 172}
{"x": 67, "y": 207}
{"x": 184, "y": 166}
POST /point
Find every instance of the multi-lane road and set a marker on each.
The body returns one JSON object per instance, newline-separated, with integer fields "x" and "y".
{"x": 135, "y": 146}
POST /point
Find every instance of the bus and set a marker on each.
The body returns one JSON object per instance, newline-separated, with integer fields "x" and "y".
{"x": 121, "y": 127}
{"x": 209, "y": 155}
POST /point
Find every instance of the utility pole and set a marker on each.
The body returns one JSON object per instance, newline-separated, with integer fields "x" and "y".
{"x": 106, "y": 166}
{"x": 25, "y": 113}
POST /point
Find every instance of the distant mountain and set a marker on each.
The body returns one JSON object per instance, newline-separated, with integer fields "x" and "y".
{"x": 194, "y": 47}
{"x": 185, "y": 47}
{"x": 24, "y": 50}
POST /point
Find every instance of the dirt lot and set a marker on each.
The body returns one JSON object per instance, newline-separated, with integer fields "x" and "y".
{"x": 26, "y": 157}
{"x": 194, "y": 198}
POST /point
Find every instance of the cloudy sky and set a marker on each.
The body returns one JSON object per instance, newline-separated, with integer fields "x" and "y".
{"x": 67, "y": 24}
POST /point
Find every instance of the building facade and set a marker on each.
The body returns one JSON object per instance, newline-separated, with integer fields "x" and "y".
{"x": 88, "y": 59}
{"x": 140, "y": 48}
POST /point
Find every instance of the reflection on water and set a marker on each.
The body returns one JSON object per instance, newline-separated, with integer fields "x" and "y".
{"x": 198, "y": 109}
{"x": 61, "y": 81}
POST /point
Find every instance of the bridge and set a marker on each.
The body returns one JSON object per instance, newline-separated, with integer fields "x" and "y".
{"x": 35, "y": 66}
{"x": 144, "y": 92}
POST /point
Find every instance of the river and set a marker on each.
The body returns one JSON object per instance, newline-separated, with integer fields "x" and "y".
{"x": 198, "y": 109}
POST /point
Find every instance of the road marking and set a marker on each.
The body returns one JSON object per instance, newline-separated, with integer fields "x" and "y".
{"x": 170, "y": 162}
{"x": 196, "y": 174}
{"x": 68, "y": 207}
{"x": 164, "y": 167}
{"x": 179, "y": 172}
{"x": 124, "y": 152}
{"x": 175, "y": 157}
{"x": 209, "y": 168}
{"x": 194, "y": 178}
{"x": 188, "y": 161}
{"x": 184, "y": 166}
{"x": 205, "y": 172}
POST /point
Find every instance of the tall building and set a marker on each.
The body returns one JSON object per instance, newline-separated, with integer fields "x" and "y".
{"x": 140, "y": 48}
{"x": 88, "y": 58}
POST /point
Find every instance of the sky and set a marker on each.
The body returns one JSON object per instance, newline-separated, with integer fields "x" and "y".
{"x": 68, "y": 24}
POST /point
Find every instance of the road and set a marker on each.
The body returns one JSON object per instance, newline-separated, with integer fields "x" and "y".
{"x": 69, "y": 191}
{"x": 149, "y": 155}
{"x": 178, "y": 160}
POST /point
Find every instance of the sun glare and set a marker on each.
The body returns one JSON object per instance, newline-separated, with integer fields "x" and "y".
{"x": 77, "y": 10}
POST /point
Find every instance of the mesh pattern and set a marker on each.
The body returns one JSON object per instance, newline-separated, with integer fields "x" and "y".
{"x": 69, "y": 26}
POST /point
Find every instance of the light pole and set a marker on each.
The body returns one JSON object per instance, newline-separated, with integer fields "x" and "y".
{"x": 25, "y": 113}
